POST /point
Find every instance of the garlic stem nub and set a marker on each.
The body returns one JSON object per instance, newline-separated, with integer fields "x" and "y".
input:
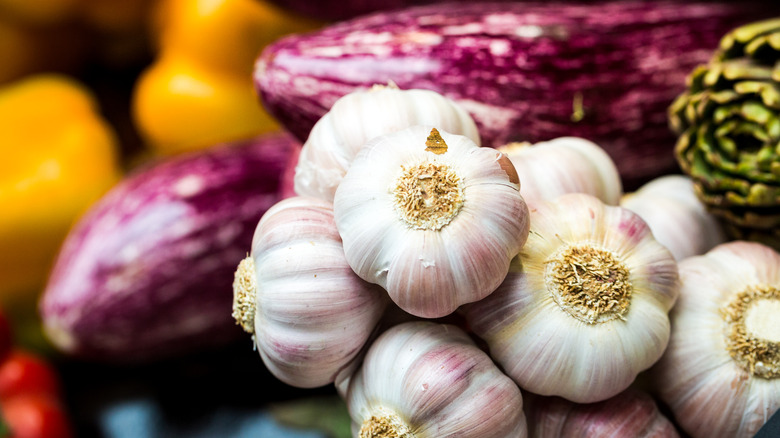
{"x": 428, "y": 195}
{"x": 752, "y": 337}
{"x": 384, "y": 425}
{"x": 244, "y": 295}
{"x": 590, "y": 284}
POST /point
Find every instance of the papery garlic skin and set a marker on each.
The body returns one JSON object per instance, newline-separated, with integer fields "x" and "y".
{"x": 562, "y": 165}
{"x": 710, "y": 392}
{"x": 585, "y": 352}
{"x": 312, "y": 315}
{"x": 362, "y": 115}
{"x": 676, "y": 216}
{"x": 428, "y": 380}
{"x": 630, "y": 414}
{"x": 432, "y": 249}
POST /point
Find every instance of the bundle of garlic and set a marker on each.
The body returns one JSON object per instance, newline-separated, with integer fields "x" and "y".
{"x": 676, "y": 216}
{"x": 720, "y": 374}
{"x": 552, "y": 168}
{"x": 309, "y": 314}
{"x": 632, "y": 413}
{"x": 428, "y": 380}
{"x": 431, "y": 217}
{"x": 362, "y": 115}
{"x": 585, "y": 306}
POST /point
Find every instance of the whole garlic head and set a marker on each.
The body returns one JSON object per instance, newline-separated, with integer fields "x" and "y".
{"x": 431, "y": 217}
{"x": 427, "y": 380}
{"x": 310, "y": 315}
{"x": 676, "y": 216}
{"x": 720, "y": 374}
{"x": 630, "y": 414}
{"x": 584, "y": 307}
{"x": 362, "y": 115}
{"x": 552, "y": 168}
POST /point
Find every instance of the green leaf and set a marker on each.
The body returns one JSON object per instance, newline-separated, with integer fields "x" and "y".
{"x": 327, "y": 414}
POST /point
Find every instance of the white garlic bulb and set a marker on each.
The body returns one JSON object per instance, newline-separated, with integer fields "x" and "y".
{"x": 551, "y": 168}
{"x": 431, "y": 217}
{"x": 630, "y": 414}
{"x": 310, "y": 315}
{"x": 585, "y": 306}
{"x": 676, "y": 216}
{"x": 427, "y": 380}
{"x": 720, "y": 374}
{"x": 362, "y": 115}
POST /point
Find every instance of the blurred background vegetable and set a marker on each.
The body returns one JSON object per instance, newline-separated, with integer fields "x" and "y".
{"x": 147, "y": 271}
{"x": 198, "y": 91}
{"x": 59, "y": 156}
{"x": 31, "y": 398}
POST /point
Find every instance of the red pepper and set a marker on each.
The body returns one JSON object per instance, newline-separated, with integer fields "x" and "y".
{"x": 31, "y": 404}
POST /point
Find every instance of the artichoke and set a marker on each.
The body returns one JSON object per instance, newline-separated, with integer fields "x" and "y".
{"x": 728, "y": 123}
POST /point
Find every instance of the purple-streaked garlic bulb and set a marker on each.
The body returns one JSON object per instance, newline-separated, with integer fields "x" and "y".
{"x": 309, "y": 314}
{"x": 562, "y": 165}
{"x": 630, "y": 414}
{"x": 720, "y": 374}
{"x": 676, "y": 216}
{"x": 585, "y": 305}
{"x": 427, "y": 380}
{"x": 362, "y": 115}
{"x": 431, "y": 217}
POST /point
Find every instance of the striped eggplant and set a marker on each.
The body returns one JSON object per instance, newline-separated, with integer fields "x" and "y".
{"x": 603, "y": 71}
{"x": 147, "y": 272}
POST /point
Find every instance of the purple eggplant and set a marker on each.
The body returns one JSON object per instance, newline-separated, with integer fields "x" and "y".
{"x": 147, "y": 272}
{"x": 525, "y": 71}
{"x": 345, "y": 9}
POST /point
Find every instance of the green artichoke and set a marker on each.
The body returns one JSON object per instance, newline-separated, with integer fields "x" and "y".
{"x": 728, "y": 122}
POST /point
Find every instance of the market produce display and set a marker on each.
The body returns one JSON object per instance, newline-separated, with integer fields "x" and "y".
{"x": 404, "y": 219}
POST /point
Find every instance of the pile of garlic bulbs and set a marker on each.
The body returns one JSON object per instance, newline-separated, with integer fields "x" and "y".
{"x": 434, "y": 282}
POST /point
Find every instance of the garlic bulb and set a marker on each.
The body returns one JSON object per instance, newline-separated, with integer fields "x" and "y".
{"x": 564, "y": 165}
{"x": 630, "y": 414}
{"x": 362, "y": 115}
{"x": 431, "y": 217}
{"x": 427, "y": 380}
{"x": 720, "y": 374}
{"x": 584, "y": 307}
{"x": 310, "y": 315}
{"x": 676, "y": 216}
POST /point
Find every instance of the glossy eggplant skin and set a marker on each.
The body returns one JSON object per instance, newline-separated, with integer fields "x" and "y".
{"x": 525, "y": 71}
{"x": 147, "y": 272}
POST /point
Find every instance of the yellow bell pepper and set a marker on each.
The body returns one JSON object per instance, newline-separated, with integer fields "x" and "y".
{"x": 58, "y": 156}
{"x": 199, "y": 90}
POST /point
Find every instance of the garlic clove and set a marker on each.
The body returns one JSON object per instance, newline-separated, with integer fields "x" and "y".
{"x": 564, "y": 165}
{"x": 677, "y": 218}
{"x": 310, "y": 315}
{"x": 584, "y": 307}
{"x": 362, "y": 115}
{"x": 632, "y": 413}
{"x": 720, "y": 374}
{"x": 435, "y": 229}
{"x": 422, "y": 379}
